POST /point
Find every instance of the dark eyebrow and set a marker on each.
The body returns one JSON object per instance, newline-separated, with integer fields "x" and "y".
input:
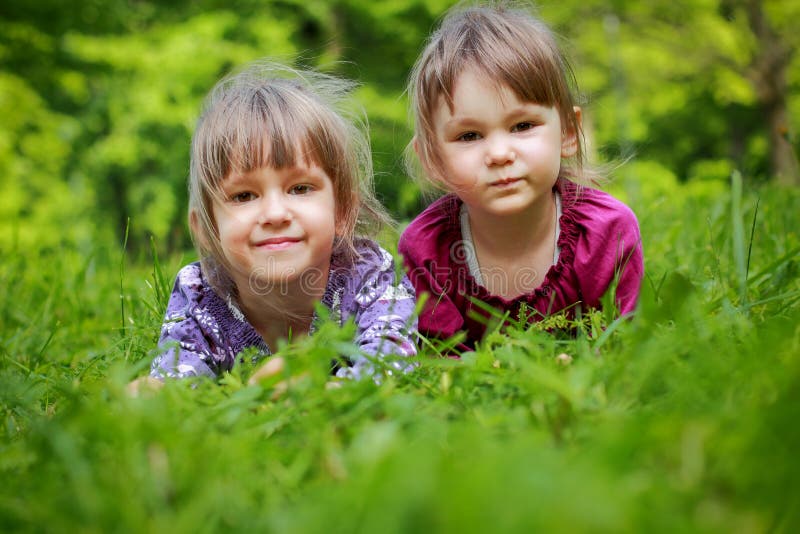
{"x": 464, "y": 122}
{"x": 469, "y": 122}
{"x": 234, "y": 179}
{"x": 313, "y": 171}
{"x": 525, "y": 110}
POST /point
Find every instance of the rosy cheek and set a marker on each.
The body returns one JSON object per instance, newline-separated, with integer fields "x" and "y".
{"x": 465, "y": 185}
{"x": 461, "y": 179}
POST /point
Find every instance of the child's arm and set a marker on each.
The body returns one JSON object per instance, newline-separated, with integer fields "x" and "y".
{"x": 612, "y": 258}
{"x": 440, "y": 317}
{"x": 187, "y": 332}
{"x": 629, "y": 272}
{"x": 384, "y": 316}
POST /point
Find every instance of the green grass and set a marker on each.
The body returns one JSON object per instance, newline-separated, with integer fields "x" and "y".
{"x": 682, "y": 419}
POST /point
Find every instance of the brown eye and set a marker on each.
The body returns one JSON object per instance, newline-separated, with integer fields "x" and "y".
{"x": 300, "y": 189}
{"x": 245, "y": 196}
{"x": 522, "y": 126}
{"x": 468, "y": 136}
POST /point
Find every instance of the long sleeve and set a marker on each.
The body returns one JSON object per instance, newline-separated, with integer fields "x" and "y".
{"x": 629, "y": 270}
{"x": 383, "y": 311}
{"x": 440, "y": 317}
{"x": 428, "y": 247}
{"x": 187, "y": 351}
{"x": 610, "y": 256}
{"x": 201, "y": 333}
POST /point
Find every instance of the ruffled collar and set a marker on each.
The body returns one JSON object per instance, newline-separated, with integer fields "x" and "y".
{"x": 566, "y": 242}
{"x": 240, "y": 334}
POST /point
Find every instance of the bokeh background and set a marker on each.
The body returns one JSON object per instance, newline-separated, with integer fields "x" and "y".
{"x": 98, "y": 99}
{"x": 683, "y": 419}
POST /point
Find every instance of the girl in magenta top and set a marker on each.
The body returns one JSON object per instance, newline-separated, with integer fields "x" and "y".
{"x": 497, "y": 128}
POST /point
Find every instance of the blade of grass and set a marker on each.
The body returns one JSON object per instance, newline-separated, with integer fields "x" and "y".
{"x": 161, "y": 284}
{"x": 122, "y": 277}
{"x": 774, "y": 298}
{"x": 757, "y": 279}
{"x": 772, "y": 267}
{"x": 752, "y": 235}
{"x": 737, "y": 234}
{"x": 610, "y": 330}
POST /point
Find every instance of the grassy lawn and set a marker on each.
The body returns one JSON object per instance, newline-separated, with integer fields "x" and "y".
{"x": 685, "y": 418}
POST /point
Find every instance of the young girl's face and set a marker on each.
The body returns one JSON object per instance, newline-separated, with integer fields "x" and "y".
{"x": 276, "y": 225}
{"x": 500, "y": 155}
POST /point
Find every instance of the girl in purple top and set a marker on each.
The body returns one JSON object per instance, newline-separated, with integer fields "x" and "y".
{"x": 279, "y": 190}
{"x": 497, "y": 128}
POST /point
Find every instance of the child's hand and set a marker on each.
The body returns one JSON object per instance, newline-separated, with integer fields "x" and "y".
{"x": 144, "y": 384}
{"x": 274, "y": 366}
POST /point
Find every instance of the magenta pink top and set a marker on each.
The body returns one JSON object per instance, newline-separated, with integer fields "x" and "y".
{"x": 599, "y": 240}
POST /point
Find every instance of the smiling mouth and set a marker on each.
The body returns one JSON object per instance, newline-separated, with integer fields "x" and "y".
{"x": 277, "y": 243}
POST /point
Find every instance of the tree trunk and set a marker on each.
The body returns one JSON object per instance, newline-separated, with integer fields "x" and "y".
{"x": 767, "y": 74}
{"x": 783, "y": 160}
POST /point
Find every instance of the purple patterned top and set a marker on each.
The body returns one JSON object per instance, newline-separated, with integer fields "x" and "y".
{"x": 208, "y": 331}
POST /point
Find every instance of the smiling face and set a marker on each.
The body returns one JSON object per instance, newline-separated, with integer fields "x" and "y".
{"x": 500, "y": 155}
{"x": 276, "y": 226}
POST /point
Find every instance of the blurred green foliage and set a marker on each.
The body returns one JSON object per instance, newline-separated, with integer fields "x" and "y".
{"x": 99, "y": 98}
{"x": 683, "y": 419}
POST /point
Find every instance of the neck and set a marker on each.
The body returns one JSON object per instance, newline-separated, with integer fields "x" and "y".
{"x": 516, "y": 234}
{"x": 286, "y": 309}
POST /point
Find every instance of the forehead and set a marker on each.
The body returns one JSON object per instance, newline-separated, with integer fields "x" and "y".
{"x": 475, "y": 93}
{"x": 472, "y": 80}
{"x": 531, "y": 74}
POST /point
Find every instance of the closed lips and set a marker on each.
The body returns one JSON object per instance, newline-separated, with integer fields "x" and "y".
{"x": 277, "y": 242}
{"x": 505, "y": 181}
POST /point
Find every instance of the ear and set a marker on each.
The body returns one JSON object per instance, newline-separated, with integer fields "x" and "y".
{"x": 197, "y": 230}
{"x": 569, "y": 139}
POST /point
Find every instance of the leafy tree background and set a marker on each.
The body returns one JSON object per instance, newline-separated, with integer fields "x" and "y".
{"x": 98, "y": 99}
{"x": 683, "y": 419}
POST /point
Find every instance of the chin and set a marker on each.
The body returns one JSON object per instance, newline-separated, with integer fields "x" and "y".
{"x": 511, "y": 207}
{"x": 275, "y": 271}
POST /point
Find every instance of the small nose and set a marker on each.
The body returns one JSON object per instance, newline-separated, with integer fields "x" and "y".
{"x": 273, "y": 209}
{"x": 499, "y": 151}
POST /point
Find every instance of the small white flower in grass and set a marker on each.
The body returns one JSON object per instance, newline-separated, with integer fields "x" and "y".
{"x": 564, "y": 358}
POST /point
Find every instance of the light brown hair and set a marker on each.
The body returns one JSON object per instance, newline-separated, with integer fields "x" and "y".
{"x": 270, "y": 115}
{"x": 505, "y": 42}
